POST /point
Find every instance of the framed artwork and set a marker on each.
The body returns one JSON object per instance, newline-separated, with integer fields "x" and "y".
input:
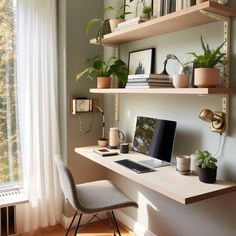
{"x": 142, "y": 61}
{"x": 136, "y": 7}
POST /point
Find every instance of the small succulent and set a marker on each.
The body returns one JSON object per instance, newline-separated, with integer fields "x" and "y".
{"x": 147, "y": 11}
{"x": 205, "y": 160}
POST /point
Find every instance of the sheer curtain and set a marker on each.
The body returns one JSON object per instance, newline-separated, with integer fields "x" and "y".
{"x": 38, "y": 112}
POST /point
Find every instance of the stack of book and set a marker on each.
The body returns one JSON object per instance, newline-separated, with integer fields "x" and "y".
{"x": 131, "y": 22}
{"x": 149, "y": 81}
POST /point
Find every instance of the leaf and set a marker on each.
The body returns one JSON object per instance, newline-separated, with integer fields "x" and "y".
{"x": 91, "y": 23}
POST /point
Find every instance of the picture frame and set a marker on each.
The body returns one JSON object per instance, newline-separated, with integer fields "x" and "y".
{"x": 141, "y": 61}
{"x": 136, "y": 7}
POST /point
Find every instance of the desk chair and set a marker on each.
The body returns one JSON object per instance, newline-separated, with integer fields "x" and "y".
{"x": 91, "y": 197}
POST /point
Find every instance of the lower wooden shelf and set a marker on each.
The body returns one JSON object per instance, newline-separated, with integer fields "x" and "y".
{"x": 198, "y": 91}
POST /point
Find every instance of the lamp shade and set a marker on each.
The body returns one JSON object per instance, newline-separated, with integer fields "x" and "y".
{"x": 206, "y": 115}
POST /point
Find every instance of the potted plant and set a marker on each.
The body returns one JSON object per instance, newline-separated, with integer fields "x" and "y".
{"x": 108, "y": 25}
{"x": 180, "y": 80}
{"x": 207, "y": 166}
{"x": 119, "y": 15}
{"x": 206, "y": 74}
{"x": 104, "y": 70}
{"x": 147, "y": 11}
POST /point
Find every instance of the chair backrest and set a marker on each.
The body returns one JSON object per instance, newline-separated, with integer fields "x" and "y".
{"x": 67, "y": 182}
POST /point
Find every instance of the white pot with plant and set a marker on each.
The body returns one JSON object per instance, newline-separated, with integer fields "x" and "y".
{"x": 180, "y": 80}
{"x": 103, "y": 70}
{"x": 206, "y": 75}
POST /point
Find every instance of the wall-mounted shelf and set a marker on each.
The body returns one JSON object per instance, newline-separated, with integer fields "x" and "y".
{"x": 183, "y": 19}
{"x": 197, "y": 91}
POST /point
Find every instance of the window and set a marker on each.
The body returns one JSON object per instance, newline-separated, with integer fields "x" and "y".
{"x": 10, "y": 156}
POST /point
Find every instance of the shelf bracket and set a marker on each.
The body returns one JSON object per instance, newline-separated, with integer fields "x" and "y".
{"x": 117, "y": 97}
{"x": 226, "y": 30}
{"x": 225, "y": 109}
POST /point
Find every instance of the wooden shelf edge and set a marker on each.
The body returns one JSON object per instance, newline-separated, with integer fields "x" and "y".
{"x": 197, "y": 91}
{"x": 173, "y": 22}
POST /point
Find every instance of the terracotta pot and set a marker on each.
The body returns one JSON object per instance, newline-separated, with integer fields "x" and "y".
{"x": 103, "y": 82}
{"x": 200, "y": 1}
{"x": 114, "y": 23}
{"x": 206, "y": 77}
{"x": 207, "y": 175}
{"x": 180, "y": 81}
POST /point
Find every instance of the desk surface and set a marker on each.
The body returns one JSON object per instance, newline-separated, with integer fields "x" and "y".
{"x": 165, "y": 180}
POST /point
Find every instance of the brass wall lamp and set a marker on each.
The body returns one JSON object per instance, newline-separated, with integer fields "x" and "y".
{"x": 216, "y": 120}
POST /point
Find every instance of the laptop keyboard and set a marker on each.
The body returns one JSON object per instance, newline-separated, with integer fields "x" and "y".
{"x": 134, "y": 166}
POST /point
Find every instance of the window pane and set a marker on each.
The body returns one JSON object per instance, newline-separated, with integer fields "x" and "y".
{"x": 10, "y": 158}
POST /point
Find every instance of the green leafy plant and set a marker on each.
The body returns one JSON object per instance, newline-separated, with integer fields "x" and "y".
{"x": 147, "y": 11}
{"x": 119, "y": 13}
{"x": 103, "y": 25}
{"x": 99, "y": 68}
{"x": 204, "y": 159}
{"x": 210, "y": 57}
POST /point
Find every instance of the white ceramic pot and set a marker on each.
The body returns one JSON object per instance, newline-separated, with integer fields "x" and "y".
{"x": 114, "y": 23}
{"x": 183, "y": 163}
{"x": 206, "y": 77}
{"x": 180, "y": 81}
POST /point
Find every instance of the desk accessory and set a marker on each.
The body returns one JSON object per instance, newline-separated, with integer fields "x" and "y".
{"x": 183, "y": 164}
{"x": 124, "y": 148}
{"x": 106, "y": 152}
{"x": 115, "y": 137}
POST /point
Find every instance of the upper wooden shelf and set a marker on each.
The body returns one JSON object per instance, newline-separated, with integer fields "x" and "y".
{"x": 198, "y": 91}
{"x": 183, "y": 19}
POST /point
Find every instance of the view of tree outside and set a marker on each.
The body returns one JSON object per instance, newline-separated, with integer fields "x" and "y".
{"x": 10, "y": 156}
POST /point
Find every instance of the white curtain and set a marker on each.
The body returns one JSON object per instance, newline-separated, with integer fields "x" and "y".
{"x": 38, "y": 112}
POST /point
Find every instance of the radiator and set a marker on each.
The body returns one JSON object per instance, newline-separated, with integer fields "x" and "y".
{"x": 8, "y": 201}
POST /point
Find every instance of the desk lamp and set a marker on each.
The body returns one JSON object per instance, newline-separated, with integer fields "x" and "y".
{"x": 216, "y": 120}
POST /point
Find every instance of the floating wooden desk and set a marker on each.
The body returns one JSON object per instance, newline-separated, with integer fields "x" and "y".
{"x": 166, "y": 180}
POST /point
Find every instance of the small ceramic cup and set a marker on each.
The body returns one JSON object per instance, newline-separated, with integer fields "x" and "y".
{"x": 183, "y": 164}
{"x": 102, "y": 142}
{"x": 124, "y": 148}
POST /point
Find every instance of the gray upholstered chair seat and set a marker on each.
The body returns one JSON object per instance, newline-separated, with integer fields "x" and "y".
{"x": 101, "y": 196}
{"x": 92, "y": 197}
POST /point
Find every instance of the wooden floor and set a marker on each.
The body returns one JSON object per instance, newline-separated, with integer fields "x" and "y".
{"x": 93, "y": 229}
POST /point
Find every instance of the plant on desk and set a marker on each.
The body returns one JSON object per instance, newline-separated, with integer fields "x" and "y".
{"x": 103, "y": 70}
{"x": 207, "y": 166}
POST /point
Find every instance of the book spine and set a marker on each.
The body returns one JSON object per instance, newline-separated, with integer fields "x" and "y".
{"x": 179, "y": 5}
{"x": 135, "y": 76}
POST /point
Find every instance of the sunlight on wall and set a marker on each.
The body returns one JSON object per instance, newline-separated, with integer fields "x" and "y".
{"x": 142, "y": 217}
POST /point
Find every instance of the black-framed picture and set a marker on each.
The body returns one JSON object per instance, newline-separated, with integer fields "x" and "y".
{"x": 136, "y": 7}
{"x": 142, "y": 61}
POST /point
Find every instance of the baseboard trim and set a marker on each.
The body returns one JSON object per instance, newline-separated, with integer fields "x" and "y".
{"x": 136, "y": 227}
